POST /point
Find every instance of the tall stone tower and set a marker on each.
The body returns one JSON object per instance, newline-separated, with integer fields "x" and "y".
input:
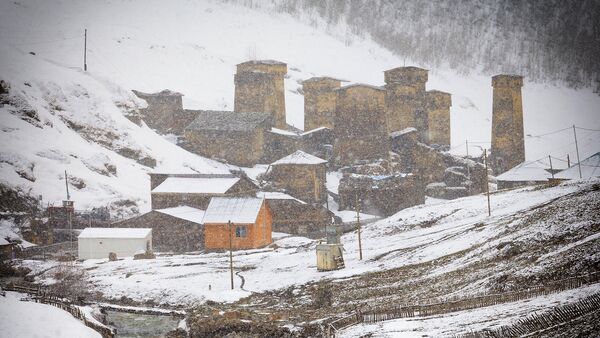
{"x": 438, "y": 117}
{"x": 360, "y": 131}
{"x": 508, "y": 146}
{"x": 259, "y": 88}
{"x": 405, "y": 99}
{"x": 319, "y": 102}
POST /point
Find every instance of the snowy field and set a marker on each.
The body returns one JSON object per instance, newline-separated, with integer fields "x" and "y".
{"x": 461, "y": 322}
{"x": 27, "y": 319}
{"x": 389, "y": 243}
{"x": 153, "y": 45}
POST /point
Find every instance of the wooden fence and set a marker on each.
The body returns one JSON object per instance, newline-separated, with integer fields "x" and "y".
{"x": 537, "y": 323}
{"x": 437, "y": 307}
{"x": 40, "y": 295}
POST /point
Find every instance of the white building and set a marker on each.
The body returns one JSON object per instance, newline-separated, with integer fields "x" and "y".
{"x": 99, "y": 242}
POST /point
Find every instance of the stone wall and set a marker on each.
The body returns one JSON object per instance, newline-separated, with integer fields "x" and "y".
{"x": 405, "y": 99}
{"x": 303, "y": 181}
{"x": 235, "y": 147}
{"x": 279, "y": 145}
{"x": 508, "y": 147}
{"x": 360, "y": 132}
{"x": 163, "y": 109}
{"x": 438, "y": 114}
{"x": 293, "y": 217}
{"x": 168, "y": 233}
{"x": 380, "y": 195}
{"x": 319, "y": 102}
{"x": 259, "y": 87}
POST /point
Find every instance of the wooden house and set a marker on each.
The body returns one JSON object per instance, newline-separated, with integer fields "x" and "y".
{"x": 196, "y": 190}
{"x": 237, "y": 222}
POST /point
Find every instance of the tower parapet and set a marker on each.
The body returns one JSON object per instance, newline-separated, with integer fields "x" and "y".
{"x": 508, "y": 146}
{"x": 320, "y": 101}
{"x": 259, "y": 87}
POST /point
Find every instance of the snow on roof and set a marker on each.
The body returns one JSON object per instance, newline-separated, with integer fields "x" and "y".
{"x": 4, "y": 241}
{"x": 403, "y": 131}
{"x": 364, "y": 85}
{"x": 300, "y": 157}
{"x": 184, "y": 212}
{"x": 235, "y": 209}
{"x": 525, "y": 172}
{"x": 590, "y": 167}
{"x": 313, "y": 130}
{"x": 324, "y": 78}
{"x": 275, "y": 195}
{"x": 165, "y": 92}
{"x": 263, "y": 62}
{"x": 196, "y": 185}
{"x": 115, "y": 233}
{"x": 283, "y": 132}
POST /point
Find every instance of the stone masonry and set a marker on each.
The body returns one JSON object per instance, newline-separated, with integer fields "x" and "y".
{"x": 508, "y": 147}
{"x": 259, "y": 87}
{"x": 319, "y": 102}
{"x": 405, "y": 99}
{"x": 438, "y": 117}
{"x": 360, "y": 132}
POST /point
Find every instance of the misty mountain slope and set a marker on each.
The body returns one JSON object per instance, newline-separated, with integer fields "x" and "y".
{"x": 544, "y": 40}
{"x": 193, "y": 47}
{"x": 56, "y": 119}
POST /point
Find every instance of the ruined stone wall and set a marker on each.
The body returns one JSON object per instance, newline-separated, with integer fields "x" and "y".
{"x": 259, "y": 87}
{"x": 292, "y": 217}
{"x": 438, "y": 115}
{"x": 239, "y": 148}
{"x": 360, "y": 125}
{"x": 305, "y": 182}
{"x": 279, "y": 145}
{"x": 318, "y": 142}
{"x": 162, "y": 110}
{"x": 508, "y": 147}
{"x": 405, "y": 99}
{"x": 382, "y": 196}
{"x": 319, "y": 102}
{"x": 168, "y": 233}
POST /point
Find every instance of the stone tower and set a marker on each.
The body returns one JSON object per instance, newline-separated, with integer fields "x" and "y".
{"x": 405, "y": 99}
{"x": 319, "y": 102}
{"x": 438, "y": 117}
{"x": 360, "y": 131}
{"x": 259, "y": 88}
{"x": 508, "y": 146}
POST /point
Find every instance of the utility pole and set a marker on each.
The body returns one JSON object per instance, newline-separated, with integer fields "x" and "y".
{"x": 577, "y": 149}
{"x": 487, "y": 185}
{"x": 568, "y": 161}
{"x": 66, "y": 208}
{"x": 551, "y": 169}
{"x": 468, "y": 170}
{"x": 85, "y": 50}
{"x": 467, "y": 147}
{"x": 358, "y": 227}
{"x": 230, "y": 253}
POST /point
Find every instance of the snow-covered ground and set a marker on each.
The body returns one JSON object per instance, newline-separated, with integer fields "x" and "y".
{"x": 389, "y": 243}
{"x": 193, "y": 48}
{"x": 461, "y": 322}
{"x": 27, "y": 319}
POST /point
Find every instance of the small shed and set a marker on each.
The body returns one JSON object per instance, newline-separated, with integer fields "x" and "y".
{"x": 251, "y": 223}
{"x": 125, "y": 242}
{"x": 330, "y": 257}
{"x": 301, "y": 175}
{"x": 526, "y": 173}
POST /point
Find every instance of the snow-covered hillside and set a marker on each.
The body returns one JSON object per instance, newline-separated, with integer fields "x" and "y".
{"x": 192, "y": 47}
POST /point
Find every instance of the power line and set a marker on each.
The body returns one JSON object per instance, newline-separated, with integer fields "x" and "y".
{"x": 587, "y": 129}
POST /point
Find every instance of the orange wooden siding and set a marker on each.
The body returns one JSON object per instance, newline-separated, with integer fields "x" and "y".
{"x": 216, "y": 235}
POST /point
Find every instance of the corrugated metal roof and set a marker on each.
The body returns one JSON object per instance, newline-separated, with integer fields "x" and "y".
{"x": 196, "y": 185}
{"x": 300, "y": 157}
{"x": 115, "y": 233}
{"x": 227, "y": 120}
{"x": 235, "y": 209}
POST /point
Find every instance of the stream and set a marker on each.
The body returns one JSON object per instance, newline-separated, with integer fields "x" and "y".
{"x": 141, "y": 325}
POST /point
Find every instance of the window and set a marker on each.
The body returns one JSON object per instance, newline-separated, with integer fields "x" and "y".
{"x": 241, "y": 231}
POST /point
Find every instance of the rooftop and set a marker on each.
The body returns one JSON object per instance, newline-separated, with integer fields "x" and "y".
{"x": 406, "y": 69}
{"x": 324, "y": 78}
{"x": 590, "y": 167}
{"x": 300, "y": 157}
{"x": 263, "y": 62}
{"x": 360, "y": 85}
{"x": 275, "y": 195}
{"x": 165, "y": 92}
{"x": 227, "y": 120}
{"x": 196, "y": 185}
{"x": 526, "y": 172}
{"x": 235, "y": 209}
{"x": 184, "y": 212}
{"x": 115, "y": 233}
